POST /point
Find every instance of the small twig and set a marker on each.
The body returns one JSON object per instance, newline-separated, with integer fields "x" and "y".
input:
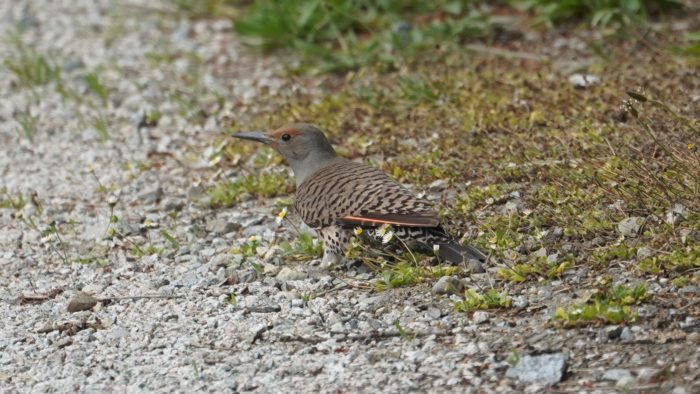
{"x": 259, "y": 333}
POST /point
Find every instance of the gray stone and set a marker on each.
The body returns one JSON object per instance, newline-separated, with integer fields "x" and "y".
{"x": 247, "y": 276}
{"x": 480, "y": 317}
{"x": 81, "y": 302}
{"x": 617, "y": 374}
{"x": 675, "y": 214}
{"x": 545, "y": 369}
{"x": 448, "y": 285}
{"x": 630, "y": 227}
{"x": 222, "y": 226}
{"x": 151, "y": 196}
{"x": 626, "y": 334}
{"x": 648, "y": 375}
{"x": 117, "y": 332}
{"x": 644, "y": 252}
{"x": 582, "y": 81}
{"x": 438, "y": 185}
{"x": 287, "y": 273}
{"x": 689, "y": 290}
{"x": 173, "y": 204}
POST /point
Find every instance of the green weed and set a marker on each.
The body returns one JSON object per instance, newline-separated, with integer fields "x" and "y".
{"x": 340, "y": 35}
{"x": 94, "y": 84}
{"x": 303, "y": 248}
{"x": 28, "y": 124}
{"x": 608, "y": 306}
{"x": 32, "y": 70}
{"x": 490, "y": 299}
{"x": 600, "y": 13}
{"x": 99, "y": 122}
{"x": 173, "y": 242}
{"x": 679, "y": 260}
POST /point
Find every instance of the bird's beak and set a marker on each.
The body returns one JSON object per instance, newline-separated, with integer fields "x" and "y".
{"x": 254, "y": 136}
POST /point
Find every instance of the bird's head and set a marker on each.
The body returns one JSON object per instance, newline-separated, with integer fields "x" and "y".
{"x": 303, "y": 146}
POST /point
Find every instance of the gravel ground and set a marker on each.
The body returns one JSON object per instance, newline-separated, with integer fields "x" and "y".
{"x": 186, "y": 315}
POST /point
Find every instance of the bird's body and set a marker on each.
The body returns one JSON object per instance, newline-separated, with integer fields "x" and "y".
{"x": 335, "y": 195}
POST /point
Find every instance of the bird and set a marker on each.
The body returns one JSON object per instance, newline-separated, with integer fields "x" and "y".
{"x": 335, "y": 196}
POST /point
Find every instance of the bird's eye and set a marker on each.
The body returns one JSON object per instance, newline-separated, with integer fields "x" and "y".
{"x": 286, "y": 137}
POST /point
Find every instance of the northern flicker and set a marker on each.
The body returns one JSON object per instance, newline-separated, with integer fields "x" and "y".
{"x": 336, "y": 195}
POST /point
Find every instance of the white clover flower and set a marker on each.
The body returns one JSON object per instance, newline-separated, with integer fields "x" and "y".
{"x": 281, "y": 215}
{"x": 436, "y": 248}
{"x": 387, "y": 236}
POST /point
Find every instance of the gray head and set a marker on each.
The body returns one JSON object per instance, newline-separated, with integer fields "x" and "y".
{"x": 304, "y": 147}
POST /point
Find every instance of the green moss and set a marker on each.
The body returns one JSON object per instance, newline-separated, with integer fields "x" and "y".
{"x": 680, "y": 260}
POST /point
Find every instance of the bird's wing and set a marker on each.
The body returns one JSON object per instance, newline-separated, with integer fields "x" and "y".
{"x": 352, "y": 194}
{"x": 394, "y": 219}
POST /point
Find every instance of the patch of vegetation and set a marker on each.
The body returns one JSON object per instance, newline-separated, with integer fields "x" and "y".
{"x": 491, "y": 299}
{"x": 303, "y": 248}
{"x": 263, "y": 185}
{"x": 406, "y": 335}
{"x": 678, "y": 261}
{"x": 32, "y": 69}
{"x": 248, "y": 249}
{"x": 28, "y": 123}
{"x": 92, "y": 80}
{"x": 539, "y": 267}
{"x": 600, "y": 13}
{"x": 691, "y": 45}
{"x": 340, "y": 35}
{"x": 403, "y": 273}
{"x": 604, "y": 255}
{"x": 173, "y": 242}
{"x": 99, "y": 122}
{"x": 612, "y": 305}
{"x": 9, "y": 202}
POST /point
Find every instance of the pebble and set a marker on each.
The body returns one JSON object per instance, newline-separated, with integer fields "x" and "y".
{"x": 222, "y": 226}
{"x": 288, "y": 274}
{"x": 621, "y": 377}
{"x": 480, "y": 317}
{"x": 546, "y": 369}
{"x": 584, "y": 80}
{"x": 630, "y": 227}
{"x": 81, "y": 302}
{"x": 448, "y": 285}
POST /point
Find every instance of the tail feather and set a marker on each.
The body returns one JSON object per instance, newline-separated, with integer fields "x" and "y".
{"x": 456, "y": 253}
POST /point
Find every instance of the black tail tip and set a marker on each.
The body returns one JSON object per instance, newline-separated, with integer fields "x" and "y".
{"x": 463, "y": 254}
